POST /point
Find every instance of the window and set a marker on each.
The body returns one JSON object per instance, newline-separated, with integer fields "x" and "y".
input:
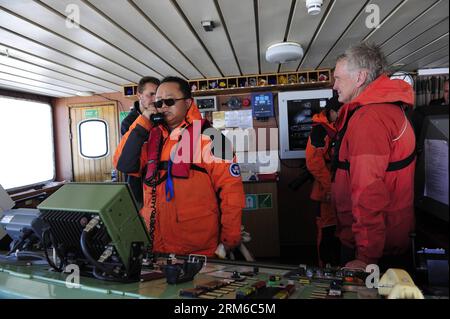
{"x": 93, "y": 139}
{"x": 26, "y": 143}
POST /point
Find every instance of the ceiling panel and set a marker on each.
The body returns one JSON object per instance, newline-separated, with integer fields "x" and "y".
{"x": 10, "y": 39}
{"x": 50, "y": 66}
{"x": 10, "y": 85}
{"x": 338, "y": 19}
{"x": 431, "y": 17}
{"x": 425, "y": 51}
{"x": 146, "y": 35}
{"x": 100, "y": 35}
{"x": 168, "y": 19}
{"x": 410, "y": 10}
{"x": 358, "y": 30}
{"x": 51, "y": 87}
{"x": 66, "y": 46}
{"x": 428, "y": 58}
{"x": 273, "y": 18}
{"x": 215, "y": 41}
{"x": 302, "y": 29}
{"x": 80, "y": 85}
{"x": 439, "y": 63}
{"x": 120, "y": 41}
{"x": 35, "y": 76}
{"x": 417, "y": 43}
{"x": 242, "y": 29}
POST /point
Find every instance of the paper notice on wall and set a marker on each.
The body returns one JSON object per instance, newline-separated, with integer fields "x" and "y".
{"x": 239, "y": 119}
{"x": 218, "y": 120}
{"x": 436, "y": 170}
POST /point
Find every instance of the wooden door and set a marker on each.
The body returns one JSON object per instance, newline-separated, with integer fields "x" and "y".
{"x": 89, "y": 166}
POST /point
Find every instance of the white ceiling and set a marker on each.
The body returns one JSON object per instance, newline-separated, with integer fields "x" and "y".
{"x": 119, "y": 41}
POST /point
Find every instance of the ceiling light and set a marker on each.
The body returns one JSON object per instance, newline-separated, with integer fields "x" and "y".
{"x": 284, "y": 52}
{"x": 314, "y": 6}
{"x": 85, "y": 93}
{"x": 436, "y": 71}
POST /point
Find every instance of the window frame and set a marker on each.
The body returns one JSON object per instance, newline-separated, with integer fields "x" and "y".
{"x": 80, "y": 142}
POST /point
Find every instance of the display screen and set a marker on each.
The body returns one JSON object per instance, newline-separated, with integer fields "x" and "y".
{"x": 300, "y": 113}
{"x": 262, "y": 105}
{"x": 206, "y": 103}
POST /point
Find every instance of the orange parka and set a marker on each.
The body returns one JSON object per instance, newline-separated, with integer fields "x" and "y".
{"x": 318, "y": 157}
{"x": 374, "y": 204}
{"x": 207, "y": 206}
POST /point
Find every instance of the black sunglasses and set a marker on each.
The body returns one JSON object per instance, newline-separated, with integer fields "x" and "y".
{"x": 168, "y": 102}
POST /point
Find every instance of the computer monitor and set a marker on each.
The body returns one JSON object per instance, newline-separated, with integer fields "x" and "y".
{"x": 119, "y": 236}
{"x": 296, "y": 110}
{"x": 431, "y": 189}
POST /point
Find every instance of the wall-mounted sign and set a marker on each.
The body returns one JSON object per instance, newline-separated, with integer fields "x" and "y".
{"x": 89, "y": 114}
{"x": 122, "y": 116}
{"x": 251, "y": 202}
{"x": 258, "y": 201}
{"x": 265, "y": 201}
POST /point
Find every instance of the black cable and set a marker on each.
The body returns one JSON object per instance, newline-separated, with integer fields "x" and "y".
{"x": 85, "y": 249}
{"x": 152, "y": 217}
{"x": 111, "y": 276}
{"x": 50, "y": 262}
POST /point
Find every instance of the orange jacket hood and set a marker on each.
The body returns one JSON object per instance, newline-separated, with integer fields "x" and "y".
{"x": 385, "y": 90}
{"x": 381, "y": 91}
{"x": 321, "y": 118}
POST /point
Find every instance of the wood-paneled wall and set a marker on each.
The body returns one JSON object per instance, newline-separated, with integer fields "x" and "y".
{"x": 61, "y": 127}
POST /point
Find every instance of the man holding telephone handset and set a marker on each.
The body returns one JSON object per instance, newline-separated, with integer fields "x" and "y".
{"x": 193, "y": 191}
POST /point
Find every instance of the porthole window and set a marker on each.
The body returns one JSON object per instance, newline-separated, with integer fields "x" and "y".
{"x": 93, "y": 139}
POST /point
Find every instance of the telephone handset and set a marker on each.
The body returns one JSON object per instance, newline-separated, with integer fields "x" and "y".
{"x": 157, "y": 119}
{"x": 398, "y": 284}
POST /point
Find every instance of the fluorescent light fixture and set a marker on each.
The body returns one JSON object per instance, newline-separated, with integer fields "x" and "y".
{"x": 432, "y": 71}
{"x": 85, "y": 93}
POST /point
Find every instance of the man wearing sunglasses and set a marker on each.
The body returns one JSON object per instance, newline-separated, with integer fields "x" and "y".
{"x": 191, "y": 206}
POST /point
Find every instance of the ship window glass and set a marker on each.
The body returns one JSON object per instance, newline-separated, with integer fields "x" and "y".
{"x": 26, "y": 143}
